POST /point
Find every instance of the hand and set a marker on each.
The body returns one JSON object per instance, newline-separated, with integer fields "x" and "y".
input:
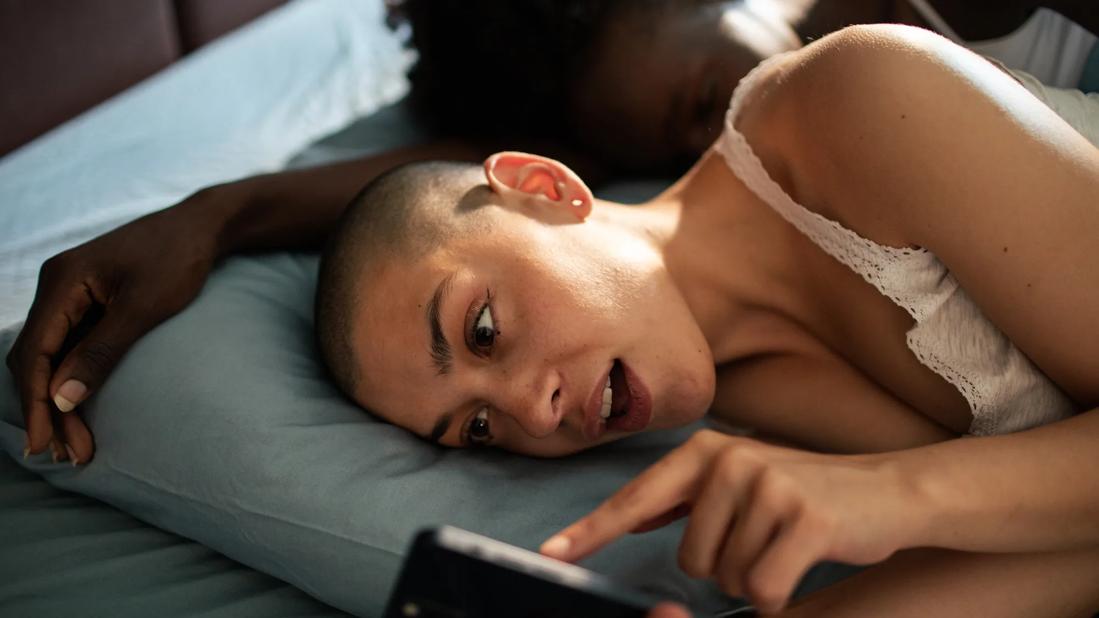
{"x": 760, "y": 515}
{"x": 132, "y": 279}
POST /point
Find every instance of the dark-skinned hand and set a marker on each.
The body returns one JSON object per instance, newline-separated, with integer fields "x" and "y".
{"x": 92, "y": 303}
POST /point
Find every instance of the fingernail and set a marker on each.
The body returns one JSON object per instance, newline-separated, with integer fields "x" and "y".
{"x": 557, "y": 546}
{"x": 26, "y": 452}
{"x": 69, "y": 394}
{"x": 72, "y": 455}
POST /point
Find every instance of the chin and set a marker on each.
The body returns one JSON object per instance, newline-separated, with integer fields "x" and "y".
{"x": 684, "y": 397}
{"x": 681, "y": 415}
{"x": 699, "y": 397}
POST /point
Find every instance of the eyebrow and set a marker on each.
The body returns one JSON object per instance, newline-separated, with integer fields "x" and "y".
{"x": 440, "y": 428}
{"x": 440, "y": 348}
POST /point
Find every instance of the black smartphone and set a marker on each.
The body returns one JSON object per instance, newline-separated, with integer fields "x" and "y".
{"x": 452, "y": 573}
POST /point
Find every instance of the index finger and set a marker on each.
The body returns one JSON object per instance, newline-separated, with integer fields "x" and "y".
{"x": 663, "y": 487}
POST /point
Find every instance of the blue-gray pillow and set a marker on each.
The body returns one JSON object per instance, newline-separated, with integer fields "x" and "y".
{"x": 222, "y": 426}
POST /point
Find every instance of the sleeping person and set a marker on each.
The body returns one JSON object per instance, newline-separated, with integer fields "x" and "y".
{"x": 644, "y": 85}
{"x": 860, "y": 266}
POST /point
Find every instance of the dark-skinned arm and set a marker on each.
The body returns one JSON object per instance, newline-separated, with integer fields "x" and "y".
{"x": 296, "y": 209}
{"x": 95, "y": 300}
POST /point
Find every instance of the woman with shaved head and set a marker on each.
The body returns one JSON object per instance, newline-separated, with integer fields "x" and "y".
{"x": 854, "y": 268}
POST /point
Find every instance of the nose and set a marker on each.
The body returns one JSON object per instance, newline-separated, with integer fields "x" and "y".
{"x": 534, "y": 402}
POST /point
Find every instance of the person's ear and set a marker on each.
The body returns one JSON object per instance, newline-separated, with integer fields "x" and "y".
{"x": 544, "y": 180}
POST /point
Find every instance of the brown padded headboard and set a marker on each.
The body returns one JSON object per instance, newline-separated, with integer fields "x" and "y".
{"x": 61, "y": 57}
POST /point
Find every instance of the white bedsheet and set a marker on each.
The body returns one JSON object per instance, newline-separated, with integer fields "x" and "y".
{"x": 240, "y": 106}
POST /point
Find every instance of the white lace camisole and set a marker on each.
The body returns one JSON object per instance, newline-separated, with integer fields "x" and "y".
{"x": 1003, "y": 388}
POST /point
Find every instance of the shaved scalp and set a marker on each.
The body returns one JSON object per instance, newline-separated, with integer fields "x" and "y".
{"x": 401, "y": 215}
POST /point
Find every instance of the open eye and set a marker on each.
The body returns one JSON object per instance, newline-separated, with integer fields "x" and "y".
{"x": 483, "y": 334}
{"x": 478, "y": 432}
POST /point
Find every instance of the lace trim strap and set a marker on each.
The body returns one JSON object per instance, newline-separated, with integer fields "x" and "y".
{"x": 1005, "y": 392}
{"x": 912, "y": 277}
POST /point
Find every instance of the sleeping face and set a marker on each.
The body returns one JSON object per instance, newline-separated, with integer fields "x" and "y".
{"x": 526, "y": 334}
{"x": 662, "y": 74}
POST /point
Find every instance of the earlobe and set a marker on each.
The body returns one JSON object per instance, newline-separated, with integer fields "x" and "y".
{"x": 528, "y": 176}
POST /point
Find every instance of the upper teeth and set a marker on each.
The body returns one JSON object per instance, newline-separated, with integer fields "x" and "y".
{"x": 608, "y": 395}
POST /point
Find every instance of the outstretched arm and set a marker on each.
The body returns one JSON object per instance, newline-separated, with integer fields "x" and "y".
{"x": 1031, "y": 491}
{"x": 952, "y": 584}
{"x": 114, "y": 278}
{"x": 297, "y": 208}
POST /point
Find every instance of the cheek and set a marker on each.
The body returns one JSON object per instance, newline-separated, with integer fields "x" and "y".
{"x": 601, "y": 279}
{"x": 620, "y": 275}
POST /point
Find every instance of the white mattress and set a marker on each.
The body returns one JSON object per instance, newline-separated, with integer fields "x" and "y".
{"x": 240, "y": 106}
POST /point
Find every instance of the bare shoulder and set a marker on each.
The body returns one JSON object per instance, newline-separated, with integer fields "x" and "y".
{"x": 862, "y": 120}
{"x": 872, "y": 57}
{"x": 826, "y": 120}
{"x": 909, "y": 139}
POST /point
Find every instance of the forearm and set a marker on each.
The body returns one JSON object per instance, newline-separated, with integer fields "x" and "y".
{"x": 296, "y": 209}
{"x": 944, "y": 583}
{"x": 1032, "y": 491}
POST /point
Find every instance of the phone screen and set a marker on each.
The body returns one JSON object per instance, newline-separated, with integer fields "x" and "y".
{"x": 452, "y": 573}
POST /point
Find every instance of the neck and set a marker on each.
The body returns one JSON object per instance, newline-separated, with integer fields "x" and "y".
{"x": 731, "y": 256}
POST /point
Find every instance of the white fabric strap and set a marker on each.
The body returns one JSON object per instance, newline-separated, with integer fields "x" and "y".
{"x": 951, "y": 336}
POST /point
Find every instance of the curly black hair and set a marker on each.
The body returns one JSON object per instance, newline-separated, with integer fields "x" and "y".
{"x": 522, "y": 54}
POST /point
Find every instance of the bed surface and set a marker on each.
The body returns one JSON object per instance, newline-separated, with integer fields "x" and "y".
{"x": 64, "y": 554}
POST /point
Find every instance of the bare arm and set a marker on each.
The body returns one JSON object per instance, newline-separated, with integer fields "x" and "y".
{"x": 951, "y": 584}
{"x": 112, "y": 278}
{"x": 296, "y": 209}
{"x": 1031, "y": 491}
{"x": 924, "y": 143}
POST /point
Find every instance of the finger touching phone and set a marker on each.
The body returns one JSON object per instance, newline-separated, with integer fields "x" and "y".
{"x": 451, "y": 573}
